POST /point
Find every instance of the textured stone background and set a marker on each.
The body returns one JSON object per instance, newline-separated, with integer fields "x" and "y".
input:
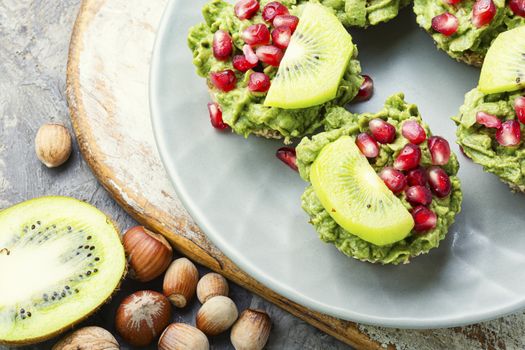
{"x": 34, "y": 39}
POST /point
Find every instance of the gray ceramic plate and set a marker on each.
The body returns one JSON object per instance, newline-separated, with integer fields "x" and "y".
{"x": 248, "y": 203}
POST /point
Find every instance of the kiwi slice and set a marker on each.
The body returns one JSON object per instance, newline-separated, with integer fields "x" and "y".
{"x": 314, "y": 63}
{"x": 356, "y": 197}
{"x": 504, "y": 66}
{"x": 60, "y": 259}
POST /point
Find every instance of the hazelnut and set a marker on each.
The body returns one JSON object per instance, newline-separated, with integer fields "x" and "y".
{"x": 180, "y": 336}
{"x": 142, "y": 316}
{"x": 216, "y": 315}
{"x": 180, "y": 282}
{"x": 211, "y": 285}
{"x": 88, "y": 338}
{"x": 149, "y": 254}
{"x": 53, "y": 145}
{"x": 251, "y": 331}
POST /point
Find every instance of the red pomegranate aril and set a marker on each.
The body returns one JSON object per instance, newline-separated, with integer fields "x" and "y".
{"x": 395, "y": 180}
{"x": 519, "y": 108}
{"x": 270, "y": 55}
{"x": 408, "y": 158}
{"x": 367, "y": 145}
{"x": 382, "y": 131}
{"x": 439, "y": 182}
{"x": 286, "y": 21}
{"x": 222, "y": 45}
{"x": 483, "y": 12}
{"x": 287, "y": 156}
{"x": 224, "y": 80}
{"x": 216, "y": 116}
{"x": 424, "y": 219}
{"x": 509, "y": 135}
{"x": 250, "y": 55}
{"x": 256, "y": 35}
{"x": 418, "y": 195}
{"x": 281, "y": 37}
{"x": 518, "y": 7}
{"x": 259, "y": 82}
{"x": 439, "y": 150}
{"x": 273, "y": 9}
{"x": 413, "y": 132}
{"x": 241, "y": 63}
{"x": 366, "y": 90}
{"x": 417, "y": 177}
{"x": 246, "y": 9}
{"x": 452, "y": 2}
{"x": 488, "y": 120}
{"x": 446, "y": 24}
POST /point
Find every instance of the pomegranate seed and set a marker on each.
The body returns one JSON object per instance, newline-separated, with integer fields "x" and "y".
{"x": 418, "y": 195}
{"x": 483, "y": 12}
{"x": 446, "y": 24}
{"x": 273, "y": 9}
{"x": 488, "y": 120}
{"x": 408, "y": 158}
{"x": 281, "y": 37}
{"x": 518, "y": 7}
{"x": 250, "y": 55}
{"x": 256, "y": 35}
{"x": 452, "y": 2}
{"x": 216, "y": 116}
{"x": 395, "y": 180}
{"x": 439, "y": 150}
{"x": 286, "y": 21}
{"x": 414, "y": 132}
{"x": 382, "y": 131}
{"x": 224, "y": 80}
{"x": 367, "y": 145}
{"x": 417, "y": 177}
{"x": 241, "y": 63}
{"x": 366, "y": 90}
{"x": 259, "y": 82}
{"x": 270, "y": 55}
{"x": 424, "y": 219}
{"x": 439, "y": 182}
{"x": 287, "y": 156}
{"x": 509, "y": 134}
{"x": 222, "y": 45}
{"x": 246, "y": 9}
{"x": 519, "y": 108}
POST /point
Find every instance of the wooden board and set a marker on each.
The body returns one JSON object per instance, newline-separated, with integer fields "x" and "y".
{"x": 107, "y": 92}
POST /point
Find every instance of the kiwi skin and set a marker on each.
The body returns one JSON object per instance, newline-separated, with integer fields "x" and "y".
{"x": 85, "y": 317}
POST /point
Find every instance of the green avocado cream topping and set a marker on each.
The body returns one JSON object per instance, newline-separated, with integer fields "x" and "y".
{"x": 479, "y": 142}
{"x": 340, "y": 122}
{"x": 468, "y": 43}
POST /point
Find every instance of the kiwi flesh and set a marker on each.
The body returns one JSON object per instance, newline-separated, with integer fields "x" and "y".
{"x": 60, "y": 260}
{"x": 356, "y": 197}
{"x": 504, "y": 66}
{"x": 314, "y": 62}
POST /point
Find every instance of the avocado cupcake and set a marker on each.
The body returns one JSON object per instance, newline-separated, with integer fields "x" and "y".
{"x": 466, "y": 28}
{"x": 383, "y": 189}
{"x": 273, "y": 67}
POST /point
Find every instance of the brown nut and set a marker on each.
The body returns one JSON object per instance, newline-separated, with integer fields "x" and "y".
{"x": 149, "y": 254}
{"x": 53, "y": 145}
{"x": 180, "y": 336}
{"x": 88, "y": 338}
{"x": 211, "y": 285}
{"x": 216, "y": 315}
{"x": 251, "y": 331}
{"x": 180, "y": 282}
{"x": 142, "y": 316}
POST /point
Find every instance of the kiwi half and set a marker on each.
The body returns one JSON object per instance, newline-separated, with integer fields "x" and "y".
{"x": 60, "y": 259}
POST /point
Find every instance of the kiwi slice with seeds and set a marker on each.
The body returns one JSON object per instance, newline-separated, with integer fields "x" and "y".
{"x": 60, "y": 259}
{"x": 504, "y": 66}
{"x": 314, "y": 62}
{"x": 356, "y": 197}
